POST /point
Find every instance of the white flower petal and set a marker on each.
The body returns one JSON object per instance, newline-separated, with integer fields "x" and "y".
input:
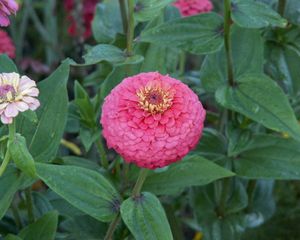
{"x": 33, "y": 92}
{"x": 11, "y": 110}
{"x": 33, "y": 106}
{"x": 22, "y": 106}
{"x": 6, "y": 120}
{"x": 26, "y": 83}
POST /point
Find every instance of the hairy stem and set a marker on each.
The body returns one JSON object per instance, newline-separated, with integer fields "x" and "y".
{"x": 101, "y": 150}
{"x": 12, "y": 131}
{"x": 281, "y": 7}
{"x": 122, "y": 5}
{"x": 136, "y": 192}
{"x": 112, "y": 227}
{"x": 130, "y": 30}
{"x": 227, "y": 41}
{"x": 29, "y": 205}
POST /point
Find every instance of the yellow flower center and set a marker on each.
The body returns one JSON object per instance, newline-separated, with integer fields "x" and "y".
{"x": 154, "y": 99}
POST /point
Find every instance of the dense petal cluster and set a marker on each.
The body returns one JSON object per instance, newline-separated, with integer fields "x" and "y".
{"x": 17, "y": 94}
{"x": 193, "y": 7}
{"x": 7, "y": 7}
{"x": 87, "y": 13}
{"x": 6, "y": 45}
{"x": 152, "y": 120}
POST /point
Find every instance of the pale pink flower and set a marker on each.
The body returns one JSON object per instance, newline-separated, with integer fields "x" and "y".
{"x": 7, "y": 7}
{"x": 17, "y": 94}
{"x": 152, "y": 120}
{"x": 193, "y": 7}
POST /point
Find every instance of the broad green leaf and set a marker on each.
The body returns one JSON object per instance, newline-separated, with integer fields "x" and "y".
{"x": 102, "y": 52}
{"x": 116, "y": 76}
{"x": 85, "y": 189}
{"x": 6, "y": 64}
{"x": 31, "y": 116}
{"x": 247, "y": 54}
{"x": 146, "y": 10}
{"x": 212, "y": 145}
{"x": 292, "y": 11}
{"x": 84, "y": 227}
{"x": 43, "y": 228}
{"x": 283, "y": 66}
{"x": 200, "y": 34}
{"x": 44, "y": 137}
{"x": 9, "y": 182}
{"x": 12, "y": 237}
{"x": 21, "y": 156}
{"x": 146, "y": 218}
{"x": 80, "y": 162}
{"x": 107, "y": 21}
{"x": 191, "y": 171}
{"x": 253, "y": 14}
{"x": 258, "y": 97}
{"x": 270, "y": 157}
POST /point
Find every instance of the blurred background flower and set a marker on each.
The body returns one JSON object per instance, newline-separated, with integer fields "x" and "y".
{"x": 193, "y": 7}
{"x": 6, "y": 44}
{"x": 7, "y": 7}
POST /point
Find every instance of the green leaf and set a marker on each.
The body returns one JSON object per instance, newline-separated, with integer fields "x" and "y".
{"x": 9, "y": 183}
{"x": 200, "y": 34}
{"x": 6, "y": 64}
{"x": 85, "y": 189}
{"x": 21, "y": 156}
{"x": 191, "y": 171}
{"x": 146, "y": 218}
{"x": 247, "y": 54}
{"x": 268, "y": 156}
{"x": 116, "y": 76}
{"x": 249, "y": 98}
{"x": 253, "y": 14}
{"x": 31, "y": 116}
{"x": 44, "y": 138}
{"x": 43, "y": 228}
{"x": 213, "y": 145}
{"x": 146, "y": 10}
{"x": 292, "y": 11}
{"x": 107, "y": 21}
{"x": 12, "y": 237}
{"x": 102, "y": 52}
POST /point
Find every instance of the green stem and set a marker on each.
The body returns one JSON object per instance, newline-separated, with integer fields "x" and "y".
{"x": 130, "y": 30}
{"x": 16, "y": 215}
{"x": 112, "y": 227}
{"x": 223, "y": 198}
{"x": 227, "y": 41}
{"x": 29, "y": 205}
{"x": 101, "y": 150}
{"x": 122, "y": 5}
{"x": 250, "y": 191}
{"x": 182, "y": 60}
{"x": 12, "y": 131}
{"x": 281, "y": 7}
{"x": 136, "y": 192}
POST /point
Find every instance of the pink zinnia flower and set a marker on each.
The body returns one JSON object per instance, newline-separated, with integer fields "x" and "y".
{"x": 152, "y": 120}
{"x": 193, "y": 7}
{"x": 88, "y": 11}
{"x": 6, "y": 45}
{"x": 17, "y": 94}
{"x": 7, "y": 7}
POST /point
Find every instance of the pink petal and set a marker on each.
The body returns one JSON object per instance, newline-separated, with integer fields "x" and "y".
{"x": 21, "y": 106}
{"x": 33, "y": 106}
{"x": 6, "y": 120}
{"x": 11, "y": 110}
{"x": 25, "y": 83}
{"x": 4, "y": 21}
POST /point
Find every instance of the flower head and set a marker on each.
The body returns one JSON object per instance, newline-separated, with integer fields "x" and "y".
{"x": 152, "y": 120}
{"x": 17, "y": 94}
{"x": 193, "y": 7}
{"x": 87, "y": 14}
{"x": 6, "y": 45}
{"x": 7, "y": 7}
